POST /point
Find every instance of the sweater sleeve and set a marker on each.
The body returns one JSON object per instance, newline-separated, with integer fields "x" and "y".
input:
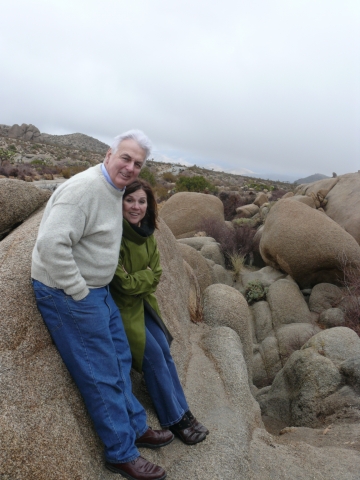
{"x": 140, "y": 283}
{"x": 63, "y": 229}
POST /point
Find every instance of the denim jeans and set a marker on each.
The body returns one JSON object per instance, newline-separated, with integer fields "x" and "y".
{"x": 91, "y": 340}
{"x": 161, "y": 378}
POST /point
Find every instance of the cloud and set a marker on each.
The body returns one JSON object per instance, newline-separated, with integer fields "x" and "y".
{"x": 262, "y": 86}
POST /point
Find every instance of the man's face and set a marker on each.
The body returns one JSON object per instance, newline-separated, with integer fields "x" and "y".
{"x": 125, "y": 164}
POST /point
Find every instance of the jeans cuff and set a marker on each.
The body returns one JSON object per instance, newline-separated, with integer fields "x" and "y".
{"x": 167, "y": 425}
{"x": 142, "y": 433}
{"x": 123, "y": 460}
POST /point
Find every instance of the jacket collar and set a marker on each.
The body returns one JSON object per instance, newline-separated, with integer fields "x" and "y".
{"x": 138, "y": 235}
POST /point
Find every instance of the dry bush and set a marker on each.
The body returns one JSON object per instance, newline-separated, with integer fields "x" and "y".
{"x": 237, "y": 241}
{"x": 351, "y": 299}
{"x": 237, "y": 262}
{"x": 8, "y": 170}
{"x": 161, "y": 192}
{"x": 66, "y": 173}
{"x": 232, "y": 201}
{"x": 25, "y": 170}
{"x": 277, "y": 194}
{"x": 169, "y": 177}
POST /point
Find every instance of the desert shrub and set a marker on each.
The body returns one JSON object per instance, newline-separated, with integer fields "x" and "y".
{"x": 258, "y": 186}
{"x": 194, "y": 184}
{"x": 237, "y": 262}
{"x": 232, "y": 241}
{"x": 244, "y": 238}
{"x": 146, "y": 174}
{"x": 8, "y": 170}
{"x": 161, "y": 193}
{"x": 351, "y": 300}
{"x": 66, "y": 173}
{"x": 38, "y": 161}
{"x": 6, "y": 155}
{"x": 12, "y": 147}
{"x": 255, "y": 291}
{"x": 231, "y": 202}
{"x": 169, "y": 177}
{"x": 276, "y": 194}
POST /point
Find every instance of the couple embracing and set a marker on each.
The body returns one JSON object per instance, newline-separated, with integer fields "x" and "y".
{"x": 95, "y": 269}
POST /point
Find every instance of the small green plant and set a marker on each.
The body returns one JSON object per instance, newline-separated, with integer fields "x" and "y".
{"x": 255, "y": 291}
{"x": 194, "y": 184}
{"x": 237, "y": 262}
{"x": 245, "y": 221}
{"x": 146, "y": 174}
{"x": 12, "y": 147}
{"x": 38, "y": 161}
{"x": 6, "y": 155}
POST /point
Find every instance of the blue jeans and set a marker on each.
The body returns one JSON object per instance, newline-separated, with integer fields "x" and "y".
{"x": 161, "y": 378}
{"x": 91, "y": 339}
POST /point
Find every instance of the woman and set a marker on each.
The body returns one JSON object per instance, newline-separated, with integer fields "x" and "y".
{"x": 133, "y": 286}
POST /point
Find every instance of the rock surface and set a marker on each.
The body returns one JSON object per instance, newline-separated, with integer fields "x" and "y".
{"x": 343, "y": 203}
{"x": 310, "y": 387}
{"x": 225, "y": 306}
{"x": 185, "y": 211}
{"x": 18, "y": 200}
{"x": 311, "y": 254}
{"x": 198, "y": 263}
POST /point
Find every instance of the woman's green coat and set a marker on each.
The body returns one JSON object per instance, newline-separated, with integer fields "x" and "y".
{"x": 136, "y": 278}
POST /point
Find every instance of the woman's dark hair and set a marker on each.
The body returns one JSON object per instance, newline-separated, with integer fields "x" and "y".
{"x": 151, "y": 211}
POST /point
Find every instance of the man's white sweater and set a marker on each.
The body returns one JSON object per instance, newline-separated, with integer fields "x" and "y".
{"x": 79, "y": 236}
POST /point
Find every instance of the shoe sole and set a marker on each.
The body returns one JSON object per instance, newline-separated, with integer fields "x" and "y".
{"x": 126, "y": 475}
{"x": 153, "y": 446}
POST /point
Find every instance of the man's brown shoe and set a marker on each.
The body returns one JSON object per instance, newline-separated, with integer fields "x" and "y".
{"x": 154, "y": 438}
{"x": 138, "y": 469}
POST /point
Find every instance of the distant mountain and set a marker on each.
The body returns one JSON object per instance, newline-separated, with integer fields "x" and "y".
{"x": 73, "y": 140}
{"x": 76, "y": 140}
{"x": 312, "y": 178}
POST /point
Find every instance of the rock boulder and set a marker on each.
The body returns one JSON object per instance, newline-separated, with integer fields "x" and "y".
{"x": 17, "y": 201}
{"x": 184, "y": 212}
{"x": 306, "y": 244}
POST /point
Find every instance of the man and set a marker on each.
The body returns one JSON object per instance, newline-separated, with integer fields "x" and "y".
{"x": 74, "y": 259}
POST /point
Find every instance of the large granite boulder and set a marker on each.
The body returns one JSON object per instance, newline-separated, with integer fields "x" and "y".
{"x": 46, "y": 433}
{"x": 225, "y": 306}
{"x": 320, "y": 186}
{"x": 248, "y": 211}
{"x": 184, "y": 212}
{"x": 287, "y": 304}
{"x": 324, "y": 296}
{"x": 311, "y": 384}
{"x": 198, "y": 263}
{"x": 343, "y": 203}
{"x": 306, "y": 244}
{"x": 18, "y": 200}
{"x": 43, "y": 418}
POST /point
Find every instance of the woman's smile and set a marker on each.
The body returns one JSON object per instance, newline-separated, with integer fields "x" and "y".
{"x": 135, "y": 206}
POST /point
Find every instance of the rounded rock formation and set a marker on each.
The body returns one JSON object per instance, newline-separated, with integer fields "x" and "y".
{"x": 184, "y": 212}
{"x": 306, "y": 244}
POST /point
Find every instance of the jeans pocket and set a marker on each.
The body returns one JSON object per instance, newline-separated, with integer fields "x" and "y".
{"x": 48, "y": 311}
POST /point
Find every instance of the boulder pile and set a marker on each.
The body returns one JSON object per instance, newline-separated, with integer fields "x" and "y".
{"x": 284, "y": 356}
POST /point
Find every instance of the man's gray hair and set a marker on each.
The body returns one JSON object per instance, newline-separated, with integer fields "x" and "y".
{"x": 140, "y": 138}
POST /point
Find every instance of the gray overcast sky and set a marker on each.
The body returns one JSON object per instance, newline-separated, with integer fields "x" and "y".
{"x": 271, "y": 86}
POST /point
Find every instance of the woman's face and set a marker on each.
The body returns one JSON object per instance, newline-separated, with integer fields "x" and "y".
{"x": 134, "y": 207}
